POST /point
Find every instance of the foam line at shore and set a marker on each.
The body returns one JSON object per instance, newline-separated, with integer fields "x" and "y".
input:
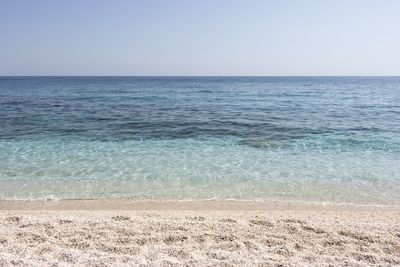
{"x": 124, "y": 204}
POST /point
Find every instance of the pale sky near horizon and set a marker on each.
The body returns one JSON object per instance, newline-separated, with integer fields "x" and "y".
{"x": 208, "y": 37}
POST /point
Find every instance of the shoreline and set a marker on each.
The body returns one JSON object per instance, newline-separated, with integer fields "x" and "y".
{"x": 195, "y": 205}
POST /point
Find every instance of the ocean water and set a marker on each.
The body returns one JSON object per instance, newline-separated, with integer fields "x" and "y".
{"x": 330, "y": 139}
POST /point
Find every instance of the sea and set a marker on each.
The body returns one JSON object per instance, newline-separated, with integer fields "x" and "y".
{"x": 306, "y": 139}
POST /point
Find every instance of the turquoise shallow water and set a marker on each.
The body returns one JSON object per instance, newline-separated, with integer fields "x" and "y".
{"x": 300, "y": 139}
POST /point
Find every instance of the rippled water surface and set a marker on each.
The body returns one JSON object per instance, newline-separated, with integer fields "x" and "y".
{"x": 289, "y": 138}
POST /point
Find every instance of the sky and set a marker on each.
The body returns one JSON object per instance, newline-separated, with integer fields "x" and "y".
{"x": 207, "y": 37}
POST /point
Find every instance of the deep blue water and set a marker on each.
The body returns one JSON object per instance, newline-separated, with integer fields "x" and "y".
{"x": 291, "y": 138}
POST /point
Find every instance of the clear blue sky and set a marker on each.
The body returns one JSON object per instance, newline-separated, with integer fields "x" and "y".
{"x": 205, "y": 37}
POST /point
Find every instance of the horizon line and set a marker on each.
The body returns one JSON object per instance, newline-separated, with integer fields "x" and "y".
{"x": 272, "y": 76}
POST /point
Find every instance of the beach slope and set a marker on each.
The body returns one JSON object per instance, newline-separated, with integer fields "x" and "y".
{"x": 189, "y": 235}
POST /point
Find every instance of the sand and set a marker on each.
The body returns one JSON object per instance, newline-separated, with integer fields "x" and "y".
{"x": 93, "y": 233}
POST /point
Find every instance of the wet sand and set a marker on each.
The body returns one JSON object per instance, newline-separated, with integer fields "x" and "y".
{"x": 209, "y": 233}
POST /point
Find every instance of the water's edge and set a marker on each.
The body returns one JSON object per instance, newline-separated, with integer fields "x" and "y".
{"x": 216, "y": 205}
